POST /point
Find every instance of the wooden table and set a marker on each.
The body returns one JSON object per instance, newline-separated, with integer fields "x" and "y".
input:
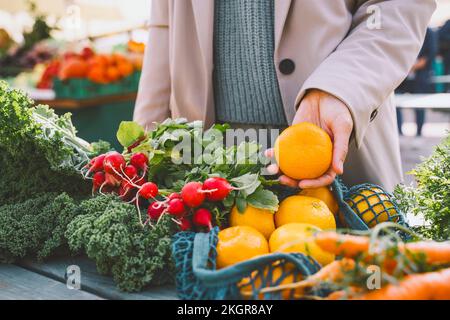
{"x": 42, "y": 281}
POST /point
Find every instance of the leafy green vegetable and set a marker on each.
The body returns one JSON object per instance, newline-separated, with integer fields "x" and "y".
{"x": 202, "y": 156}
{"x": 129, "y": 132}
{"x": 35, "y": 228}
{"x": 108, "y": 230}
{"x": 39, "y": 151}
{"x": 431, "y": 197}
{"x": 249, "y": 182}
{"x": 263, "y": 199}
{"x": 23, "y": 126}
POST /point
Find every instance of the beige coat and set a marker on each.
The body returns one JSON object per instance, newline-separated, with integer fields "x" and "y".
{"x": 336, "y": 46}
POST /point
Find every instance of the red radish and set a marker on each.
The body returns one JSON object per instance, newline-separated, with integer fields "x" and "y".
{"x": 202, "y": 218}
{"x": 217, "y": 188}
{"x": 98, "y": 179}
{"x": 148, "y": 190}
{"x": 114, "y": 162}
{"x": 174, "y": 195}
{"x": 185, "y": 224}
{"x": 112, "y": 180}
{"x": 139, "y": 160}
{"x": 96, "y": 164}
{"x": 192, "y": 194}
{"x": 125, "y": 190}
{"x": 155, "y": 210}
{"x": 176, "y": 207}
{"x": 130, "y": 171}
{"x": 127, "y": 185}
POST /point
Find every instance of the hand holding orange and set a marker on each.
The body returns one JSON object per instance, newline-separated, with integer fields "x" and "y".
{"x": 303, "y": 151}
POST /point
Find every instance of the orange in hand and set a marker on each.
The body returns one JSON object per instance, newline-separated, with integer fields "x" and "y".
{"x": 303, "y": 151}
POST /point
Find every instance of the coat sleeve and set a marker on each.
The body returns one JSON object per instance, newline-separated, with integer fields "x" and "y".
{"x": 373, "y": 60}
{"x": 152, "y": 103}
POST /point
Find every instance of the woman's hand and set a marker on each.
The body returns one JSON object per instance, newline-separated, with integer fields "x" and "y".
{"x": 333, "y": 116}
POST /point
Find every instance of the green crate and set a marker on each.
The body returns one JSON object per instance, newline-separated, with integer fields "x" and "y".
{"x": 79, "y": 89}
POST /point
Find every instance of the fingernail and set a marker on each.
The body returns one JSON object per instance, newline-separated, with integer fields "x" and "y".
{"x": 272, "y": 169}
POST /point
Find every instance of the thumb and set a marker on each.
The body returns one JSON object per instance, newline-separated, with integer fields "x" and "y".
{"x": 342, "y": 129}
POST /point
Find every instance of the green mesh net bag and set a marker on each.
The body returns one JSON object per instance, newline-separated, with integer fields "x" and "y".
{"x": 360, "y": 208}
{"x": 198, "y": 279}
{"x": 364, "y": 206}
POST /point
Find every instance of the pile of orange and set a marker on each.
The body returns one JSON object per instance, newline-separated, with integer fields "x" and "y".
{"x": 109, "y": 68}
{"x": 256, "y": 231}
{"x": 99, "y": 68}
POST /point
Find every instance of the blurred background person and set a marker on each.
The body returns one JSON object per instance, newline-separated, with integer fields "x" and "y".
{"x": 419, "y": 79}
{"x": 444, "y": 48}
{"x": 444, "y": 45}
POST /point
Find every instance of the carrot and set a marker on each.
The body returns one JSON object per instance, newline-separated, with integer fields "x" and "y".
{"x": 436, "y": 252}
{"x": 425, "y": 286}
{"x": 350, "y": 246}
{"x": 349, "y": 293}
{"x": 332, "y": 272}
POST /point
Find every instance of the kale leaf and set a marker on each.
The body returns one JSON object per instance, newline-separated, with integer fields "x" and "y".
{"x": 35, "y": 228}
{"x": 108, "y": 230}
{"x": 39, "y": 150}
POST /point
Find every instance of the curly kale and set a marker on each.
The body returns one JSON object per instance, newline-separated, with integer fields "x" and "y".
{"x": 39, "y": 150}
{"x": 431, "y": 197}
{"x": 35, "y": 228}
{"x": 108, "y": 230}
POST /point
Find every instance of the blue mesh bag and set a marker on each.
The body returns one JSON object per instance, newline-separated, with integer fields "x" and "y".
{"x": 363, "y": 206}
{"x": 360, "y": 208}
{"x": 198, "y": 279}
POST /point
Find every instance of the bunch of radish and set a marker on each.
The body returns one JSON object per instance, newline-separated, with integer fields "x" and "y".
{"x": 189, "y": 206}
{"x": 111, "y": 173}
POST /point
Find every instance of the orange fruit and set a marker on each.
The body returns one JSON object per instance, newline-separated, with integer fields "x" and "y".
{"x": 303, "y": 151}
{"x": 240, "y": 243}
{"x": 302, "y": 209}
{"x": 98, "y": 61}
{"x": 324, "y": 194}
{"x": 373, "y": 206}
{"x": 97, "y": 75}
{"x": 117, "y": 58}
{"x": 276, "y": 274}
{"x": 125, "y": 68}
{"x": 113, "y": 74}
{"x": 299, "y": 238}
{"x": 261, "y": 220}
{"x": 73, "y": 68}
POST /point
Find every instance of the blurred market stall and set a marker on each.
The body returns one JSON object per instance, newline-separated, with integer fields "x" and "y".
{"x": 79, "y": 56}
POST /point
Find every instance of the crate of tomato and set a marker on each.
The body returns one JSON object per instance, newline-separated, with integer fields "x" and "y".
{"x": 87, "y": 75}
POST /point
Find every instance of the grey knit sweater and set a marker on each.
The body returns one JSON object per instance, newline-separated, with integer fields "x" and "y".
{"x": 245, "y": 82}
